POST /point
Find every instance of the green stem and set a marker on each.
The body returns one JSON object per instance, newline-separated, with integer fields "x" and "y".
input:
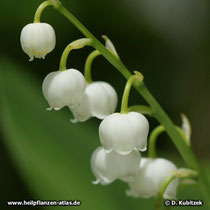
{"x": 183, "y": 135}
{"x": 152, "y": 140}
{"x": 64, "y": 57}
{"x": 126, "y": 93}
{"x": 161, "y": 192}
{"x": 40, "y": 9}
{"x": 78, "y": 44}
{"x": 186, "y": 183}
{"x": 141, "y": 109}
{"x": 96, "y": 44}
{"x": 185, "y": 151}
{"x": 182, "y": 173}
{"x": 88, "y": 65}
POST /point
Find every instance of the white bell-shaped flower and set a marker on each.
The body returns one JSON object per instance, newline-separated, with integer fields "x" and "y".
{"x": 108, "y": 167}
{"x": 124, "y": 132}
{"x": 81, "y": 111}
{"x": 37, "y": 40}
{"x": 63, "y": 88}
{"x": 151, "y": 175}
{"x": 100, "y": 100}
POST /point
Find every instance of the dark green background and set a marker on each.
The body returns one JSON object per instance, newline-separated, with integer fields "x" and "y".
{"x": 43, "y": 155}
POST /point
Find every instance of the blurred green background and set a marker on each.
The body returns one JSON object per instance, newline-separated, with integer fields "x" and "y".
{"x": 43, "y": 155}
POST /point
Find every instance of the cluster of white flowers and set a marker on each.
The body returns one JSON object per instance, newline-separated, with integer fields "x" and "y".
{"x": 99, "y": 100}
{"x": 67, "y": 87}
{"x": 122, "y": 135}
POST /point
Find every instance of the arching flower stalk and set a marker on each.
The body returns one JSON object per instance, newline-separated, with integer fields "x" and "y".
{"x": 123, "y": 132}
{"x": 65, "y": 87}
{"x": 100, "y": 98}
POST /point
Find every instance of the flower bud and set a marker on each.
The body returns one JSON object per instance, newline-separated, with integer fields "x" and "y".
{"x": 151, "y": 175}
{"x": 37, "y": 40}
{"x": 100, "y": 100}
{"x": 63, "y": 88}
{"x": 108, "y": 167}
{"x": 124, "y": 132}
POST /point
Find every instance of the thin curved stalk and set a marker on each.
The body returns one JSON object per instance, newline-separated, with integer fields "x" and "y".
{"x": 78, "y": 44}
{"x": 126, "y": 93}
{"x": 40, "y": 9}
{"x": 152, "y": 140}
{"x": 161, "y": 192}
{"x": 88, "y": 65}
{"x": 141, "y": 109}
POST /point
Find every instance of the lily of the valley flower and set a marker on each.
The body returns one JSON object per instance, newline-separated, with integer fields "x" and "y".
{"x": 151, "y": 175}
{"x": 81, "y": 111}
{"x": 100, "y": 100}
{"x": 108, "y": 167}
{"x": 124, "y": 132}
{"x": 37, "y": 40}
{"x": 63, "y": 88}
